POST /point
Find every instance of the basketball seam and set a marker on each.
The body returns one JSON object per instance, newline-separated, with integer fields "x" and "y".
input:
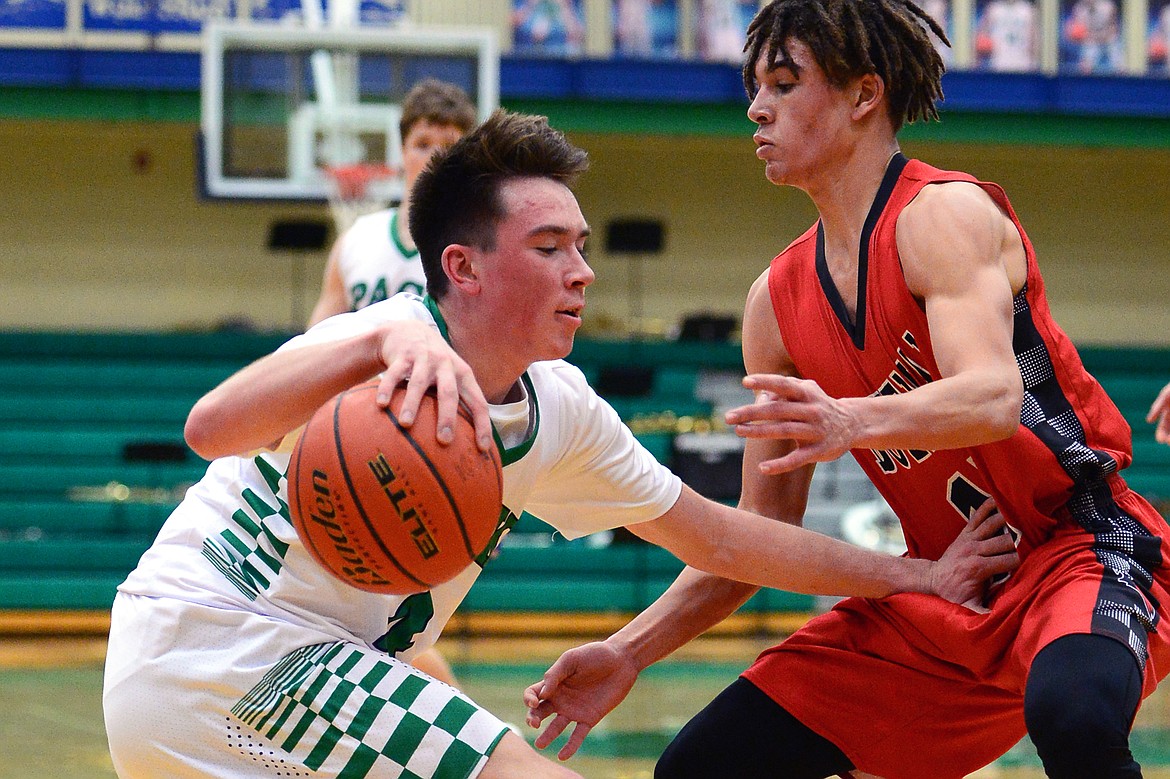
{"x": 357, "y": 501}
{"x": 493, "y": 453}
{"x": 438, "y": 480}
{"x": 294, "y": 494}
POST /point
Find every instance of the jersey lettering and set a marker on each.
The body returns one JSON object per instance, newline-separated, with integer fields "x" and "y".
{"x": 415, "y": 612}
{"x": 379, "y": 292}
{"x": 966, "y": 499}
{"x": 409, "y": 620}
{"x": 907, "y": 374}
{"x": 357, "y": 294}
{"x": 964, "y": 496}
{"x": 251, "y": 554}
{"x": 362, "y": 295}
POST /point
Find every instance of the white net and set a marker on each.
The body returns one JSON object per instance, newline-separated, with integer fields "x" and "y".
{"x": 359, "y": 189}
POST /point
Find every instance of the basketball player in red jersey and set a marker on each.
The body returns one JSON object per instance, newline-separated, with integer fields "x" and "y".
{"x": 909, "y": 326}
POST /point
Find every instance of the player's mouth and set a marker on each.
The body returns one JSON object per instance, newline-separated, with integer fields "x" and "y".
{"x": 761, "y": 144}
{"x": 572, "y": 312}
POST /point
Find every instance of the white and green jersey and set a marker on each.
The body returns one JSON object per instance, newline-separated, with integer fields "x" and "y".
{"x": 568, "y": 460}
{"x": 373, "y": 263}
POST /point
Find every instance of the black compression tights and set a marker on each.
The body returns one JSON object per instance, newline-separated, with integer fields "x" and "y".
{"x": 1079, "y": 703}
{"x": 744, "y": 734}
{"x": 1081, "y": 696}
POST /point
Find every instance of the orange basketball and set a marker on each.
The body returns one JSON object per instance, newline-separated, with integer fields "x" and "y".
{"x": 386, "y": 508}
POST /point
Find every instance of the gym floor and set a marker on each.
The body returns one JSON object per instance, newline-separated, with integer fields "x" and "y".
{"x": 50, "y": 693}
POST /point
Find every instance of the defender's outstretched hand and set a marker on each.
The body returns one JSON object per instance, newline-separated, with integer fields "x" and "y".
{"x": 582, "y": 686}
{"x": 797, "y": 409}
{"x": 984, "y": 548}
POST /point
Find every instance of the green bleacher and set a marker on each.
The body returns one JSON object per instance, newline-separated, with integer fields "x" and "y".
{"x": 92, "y": 460}
{"x": 1133, "y": 378}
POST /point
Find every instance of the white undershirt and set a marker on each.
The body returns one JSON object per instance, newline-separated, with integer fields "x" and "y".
{"x": 513, "y": 421}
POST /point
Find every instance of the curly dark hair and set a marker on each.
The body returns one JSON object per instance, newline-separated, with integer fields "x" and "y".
{"x": 850, "y": 38}
{"x": 456, "y": 199}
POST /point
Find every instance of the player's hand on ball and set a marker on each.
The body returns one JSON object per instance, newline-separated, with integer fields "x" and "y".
{"x": 415, "y": 353}
{"x": 582, "y": 686}
{"x": 984, "y": 548}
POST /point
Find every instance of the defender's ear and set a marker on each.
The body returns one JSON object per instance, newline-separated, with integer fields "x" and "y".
{"x": 459, "y": 263}
{"x": 868, "y": 91}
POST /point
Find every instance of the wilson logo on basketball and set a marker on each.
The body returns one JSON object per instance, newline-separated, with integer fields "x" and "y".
{"x": 422, "y": 537}
{"x": 324, "y": 513}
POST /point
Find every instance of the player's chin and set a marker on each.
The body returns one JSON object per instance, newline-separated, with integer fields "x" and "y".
{"x": 559, "y": 346}
{"x": 774, "y": 173}
{"x": 568, "y": 324}
{"x": 560, "y": 350}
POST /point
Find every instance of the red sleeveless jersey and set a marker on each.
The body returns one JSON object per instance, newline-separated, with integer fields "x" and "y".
{"x": 1061, "y": 464}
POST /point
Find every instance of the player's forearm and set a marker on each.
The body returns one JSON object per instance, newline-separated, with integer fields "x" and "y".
{"x": 693, "y": 604}
{"x": 775, "y": 554}
{"x": 277, "y": 394}
{"x": 965, "y": 410}
{"x": 745, "y": 547}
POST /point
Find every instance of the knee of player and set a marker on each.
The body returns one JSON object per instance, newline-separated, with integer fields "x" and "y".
{"x": 682, "y": 758}
{"x": 1064, "y": 720}
{"x": 513, "y": 757}
{"x": 1068, "y": 728}
{"x": 1082, "y": 693}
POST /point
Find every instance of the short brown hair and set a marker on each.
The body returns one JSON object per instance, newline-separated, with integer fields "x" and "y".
{"x": 850, "y": 38}
{"x": 439, "y": 103}
{"x": 456, "y": 199}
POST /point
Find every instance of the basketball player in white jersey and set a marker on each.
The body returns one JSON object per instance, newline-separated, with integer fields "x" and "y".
{"x": 376, "y": 257}
{"x": 1009, "y": 35}
{"x": 233, "y": 654}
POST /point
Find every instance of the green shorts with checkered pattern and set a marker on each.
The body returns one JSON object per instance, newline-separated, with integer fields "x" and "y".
{"x": 343, "y": 711}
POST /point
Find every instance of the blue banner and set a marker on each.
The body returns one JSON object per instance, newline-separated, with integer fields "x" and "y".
{"x": 154, "y": 16}
{"x": 374, "y": 12}
{"x": 38, "y": 14}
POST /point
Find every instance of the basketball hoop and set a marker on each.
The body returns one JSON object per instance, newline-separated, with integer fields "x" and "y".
{"x": 358, "y": 189}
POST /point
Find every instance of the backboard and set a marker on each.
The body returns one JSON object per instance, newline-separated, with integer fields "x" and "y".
{"x": 280, "y": 102}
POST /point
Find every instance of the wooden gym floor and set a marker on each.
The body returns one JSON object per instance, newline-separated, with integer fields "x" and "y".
{"x": 50, "y": 693}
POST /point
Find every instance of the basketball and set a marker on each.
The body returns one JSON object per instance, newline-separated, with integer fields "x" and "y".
{"x": 386, "y": 508}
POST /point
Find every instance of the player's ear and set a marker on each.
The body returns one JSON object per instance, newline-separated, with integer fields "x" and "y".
{"x": 459, "y": 265}
{"x": 867, "y": 91}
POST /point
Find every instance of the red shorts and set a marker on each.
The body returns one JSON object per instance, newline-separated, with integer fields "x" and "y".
{"x": 914, "y": 687}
